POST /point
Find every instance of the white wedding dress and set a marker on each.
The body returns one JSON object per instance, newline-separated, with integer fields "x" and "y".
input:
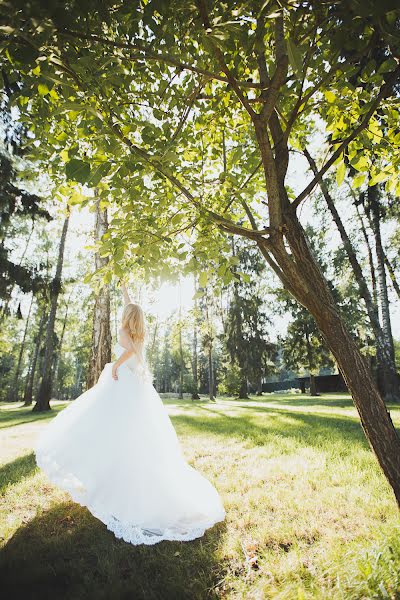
{"x": 115, "y": 451}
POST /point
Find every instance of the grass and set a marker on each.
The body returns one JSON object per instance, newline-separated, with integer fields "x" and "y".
{"x": 303, "y": 493}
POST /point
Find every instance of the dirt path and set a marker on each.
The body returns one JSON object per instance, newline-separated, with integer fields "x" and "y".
{"x": 18, "y": 440}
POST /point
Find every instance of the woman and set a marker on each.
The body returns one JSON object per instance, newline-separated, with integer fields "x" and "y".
{"x": 115, "y": 451}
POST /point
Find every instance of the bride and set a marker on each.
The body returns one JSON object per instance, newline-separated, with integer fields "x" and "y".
{"x": 115, "y": 451}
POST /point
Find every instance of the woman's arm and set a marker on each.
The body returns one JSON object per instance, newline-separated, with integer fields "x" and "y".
{"x": 123, "y": 358}
{"x": 129, "y": 350}
{"x": 125, "y": 294}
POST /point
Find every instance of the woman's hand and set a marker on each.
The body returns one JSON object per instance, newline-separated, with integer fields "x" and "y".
{"x": 115, "y": 371}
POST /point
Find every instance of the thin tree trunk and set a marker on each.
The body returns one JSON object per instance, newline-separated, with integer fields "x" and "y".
{"x": 373, "y": 204}
{"x": 195, "y": 372}
{"x": 390, "y": 380}
{"x": 13, "y": 390}
{"x": 101, "y": 333}
{"x": 210, "y": 374}
{"x": 313, "y": 386}
{"x": 44, "y": 392}
{"x": 58, "y": 354}
{"x": 28, "y": 393}
{"x": 370, "y": 257}
{"x": 392, "y": 275}
{"x": 181, "y": 362}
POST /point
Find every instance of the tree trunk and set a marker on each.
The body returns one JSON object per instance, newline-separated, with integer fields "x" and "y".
{"x": 310, "y": 359}
{"x": 243, "y": 390}
{"x": 195, "y": 372}
{"x": 390, "y": 380}
{"x": 260, "y": 386}
{"x": 181, "y": 363}
{"x": 28, "y": 393}
{"x": 210, "y": 374}
{"x": 313, "y": 386}
{"x": 370, "y": 259}
{"x": 101, "y": 333}
{"x": 392, "y": 275}
{"x": 373, "y": 205}
{"x": 302, "y": 277}
{"x": 13, "y": 390}
{"x": 58, "y": 353}
{"x": 44, "y": 392}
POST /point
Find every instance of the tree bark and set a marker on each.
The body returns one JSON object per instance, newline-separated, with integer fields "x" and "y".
{"x": 370, "y": 259}
{"x": 181, "y": 362}
{"x": 28, "y": 393}
{"x": 373, "y": 206}
{"x": 101, "y": 332}
{"x": 390, "y": 383}
{"x": 195, "y": 372}
{"x": 58, "y": 353}
{"x": 392, "y": 275}
{"x": 210, "y": 374}
{"x": 313, "y": 386}
{"x": 44, "y": 392}
{"x": 301, "y": 275}
{"x": 13, "y": 390}
{"x": 243, "y": 390}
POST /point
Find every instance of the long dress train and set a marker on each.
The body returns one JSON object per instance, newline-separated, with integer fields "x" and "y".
{"x": 115, "y": 451}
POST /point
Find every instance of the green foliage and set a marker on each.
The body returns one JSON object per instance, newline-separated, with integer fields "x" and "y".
{"x": 132, "y": 99}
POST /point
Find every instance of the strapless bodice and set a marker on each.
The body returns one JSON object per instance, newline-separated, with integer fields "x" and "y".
{"x": 132, "y": 362}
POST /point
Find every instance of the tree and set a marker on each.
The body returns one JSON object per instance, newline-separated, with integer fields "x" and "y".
{"x": 390, "y": 383}
{"x": 304, "y": 347}
{"x": 30, "y": 378}
{"x": 247, "y": 65}
{"x": 246, "y": 322}
{"x": 101, "y": 336}
{"x": 13, "y": 391}
{"x": 16, "y": 205}
{"x": 45, "y": 387}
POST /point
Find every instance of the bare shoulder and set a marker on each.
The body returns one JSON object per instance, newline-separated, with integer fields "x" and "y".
{"x": 125, "y": 339}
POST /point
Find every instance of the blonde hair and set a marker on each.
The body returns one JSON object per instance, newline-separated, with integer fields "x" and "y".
{"x": 133, "y": 322}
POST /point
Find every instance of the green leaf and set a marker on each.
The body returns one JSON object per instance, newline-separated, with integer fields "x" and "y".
{"x": 203, "y": 278}
{"x": 387, "y": 65}
{"x": 77, "y": 170}
{"x": 98, "y": 173}
{"x": 378, "y": 178}
{"x": 330, "y": 96}
{"x": 358, "y": 180}
{"x": 340, "y": 173}
{"x": 295, "y": 57}
{"x": 43, "y": 89}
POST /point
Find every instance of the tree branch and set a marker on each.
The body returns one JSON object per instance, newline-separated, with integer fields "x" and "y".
{"x": 384, "y": 90}
{"x": 220, "y": 58}
{"x": 150, "y": 55}
{"x": 281, "y": 68}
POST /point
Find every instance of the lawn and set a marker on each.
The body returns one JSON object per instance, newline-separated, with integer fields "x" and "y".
{"x": 309, "y": 514}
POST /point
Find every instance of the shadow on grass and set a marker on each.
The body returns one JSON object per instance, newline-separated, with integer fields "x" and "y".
{"x": 313, "y": 430}
{"x": 21, "y": 415}
{"x": 16, "y": 470}
{"x": 66, "y": 553}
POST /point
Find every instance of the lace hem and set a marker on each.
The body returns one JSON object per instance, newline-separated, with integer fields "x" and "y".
{"x": 129, "y": 532}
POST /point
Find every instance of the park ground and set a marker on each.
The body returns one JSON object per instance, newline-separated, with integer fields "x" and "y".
{"x": 309, "y": 513}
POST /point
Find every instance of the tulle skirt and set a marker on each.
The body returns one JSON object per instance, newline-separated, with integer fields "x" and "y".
{"x": 115, "y": 451}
